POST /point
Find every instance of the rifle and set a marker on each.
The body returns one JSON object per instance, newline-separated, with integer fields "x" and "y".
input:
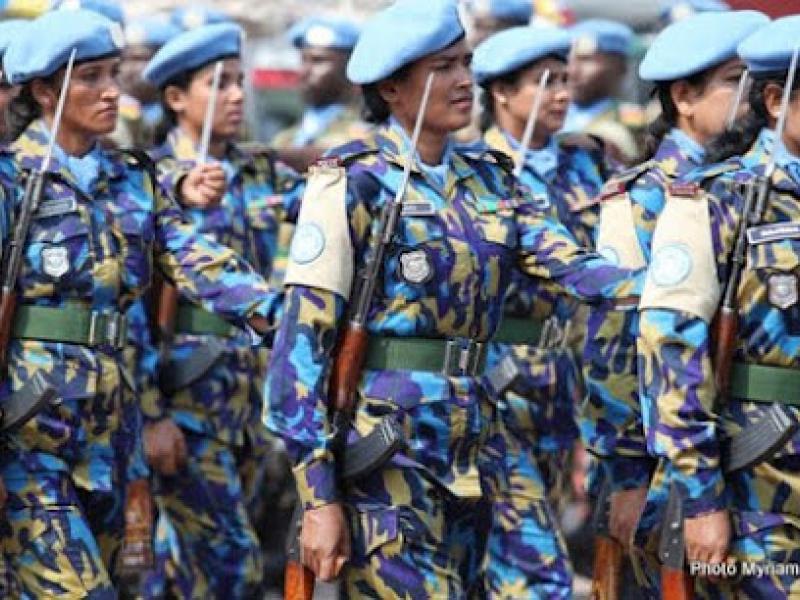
{"x": 754, "y": 207}
{"x": 34, "y": 187}
{"x": 676, "y": 584}
{"x": 607, "y": 553}
{"x": 181, "y": 375}
{"x": 351, "y": 348}
{"x": 39, "y": 391}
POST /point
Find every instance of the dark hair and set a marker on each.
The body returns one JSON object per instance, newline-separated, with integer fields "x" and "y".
{"x": 511, "y": 78}
{"x": 21, "y": 112}
{"x": 740, "y": 138}
{"x": 181, "y": 81}
{"x": 668, "y": 117}
{"x": 374, "y": 108}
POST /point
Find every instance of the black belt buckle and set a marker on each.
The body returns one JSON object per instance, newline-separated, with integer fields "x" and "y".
{"x": 462, "y": 357}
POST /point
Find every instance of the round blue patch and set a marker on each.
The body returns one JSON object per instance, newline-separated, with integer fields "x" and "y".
{"x": 307, "y": 244}
{"x": 671, "y": 265}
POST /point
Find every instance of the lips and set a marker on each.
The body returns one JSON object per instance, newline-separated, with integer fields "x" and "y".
{"x": 464, "y": 103}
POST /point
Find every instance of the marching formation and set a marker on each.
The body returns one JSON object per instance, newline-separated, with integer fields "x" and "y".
{"x": 426, "y": 321}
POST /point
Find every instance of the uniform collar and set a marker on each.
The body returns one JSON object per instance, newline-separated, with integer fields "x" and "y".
{"x": 544, "y": 162}
{"x": 182, "y": 147}
{"x": 579, "y": 117}
{"x": 31, "y": 146}
{"x": 787, "y": 172}
{"x": 315, "y": 120}
{"x": 393, "y": 142}
{"x": 677, "y": 154}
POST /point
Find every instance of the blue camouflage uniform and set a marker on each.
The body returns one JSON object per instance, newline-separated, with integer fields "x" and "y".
{"x": 101, "y": 229}
{"x": 220, "y": 410}
{"x": 685, "y": 420}
{"x": 526, "y": 555}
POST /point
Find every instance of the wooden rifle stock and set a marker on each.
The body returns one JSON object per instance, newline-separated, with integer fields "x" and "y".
{"x": 727, "y": 329}
{"x": 607, "y": 569}
{"x": 136, "y": 555}
{"x": 298, "y": 581}
{"x": 676, "y": 584}
{"x": 8, "y": 306}
{"x": 347, "y": 365}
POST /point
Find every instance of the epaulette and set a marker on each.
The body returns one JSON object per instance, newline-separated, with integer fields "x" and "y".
{"x": 622, "y": 182}
{"x": 582, "y": 141}
{"x": 352, "y": 150}
{"x": 707, "y": 172}
{"x": 503, "y": 160}
{"x": 684, "y": 189}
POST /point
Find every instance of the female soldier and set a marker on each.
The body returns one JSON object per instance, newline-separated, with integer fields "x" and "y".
{"x": 696, "y": 89}
{"x": 439, "y": 296}
{"x": 749, "y": 514}
{"x": 101, "y": 226}
{"x": 219, "y": 412}
{"x": 526, "y": 553}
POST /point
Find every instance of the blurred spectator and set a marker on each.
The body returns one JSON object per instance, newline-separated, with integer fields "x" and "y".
{"x": 329, "y": 118}
{"x": 598, "y": 65}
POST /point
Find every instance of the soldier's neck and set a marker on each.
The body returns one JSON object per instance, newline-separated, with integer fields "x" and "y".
{"x": 74, "y": 143}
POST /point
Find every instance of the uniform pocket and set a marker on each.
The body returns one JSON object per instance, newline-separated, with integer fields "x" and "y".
{"x": 376, "y": 529}
{"x": 58, "y": 250}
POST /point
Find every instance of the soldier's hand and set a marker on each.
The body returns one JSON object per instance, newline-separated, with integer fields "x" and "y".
{"x": 325, "y": 540}
{"x": 203, "y": 186}
{"x": 707, "y": 537}
{"x": 165, "y": 446}
{"x": 624, "y": 514}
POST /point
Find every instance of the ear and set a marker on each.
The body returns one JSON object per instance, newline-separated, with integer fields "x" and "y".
{"x": 389, "y": 91}
{"x": 44, "y": 95}
{"x": 683, "y": 96}
{"x": 501, "y": 91}
{"x": 175, "y": 99}
{"x": 773, "y": 95}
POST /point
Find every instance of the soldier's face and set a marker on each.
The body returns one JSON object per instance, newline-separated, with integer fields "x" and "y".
{"x": 92, "y": 102}
{"x": 706, "y": 106}
{"x": 322, "y": 76}
{"x": 521, "y": 96}
{"x": 190, "y": 104}
{"x": 595, "y": 76}
{"x": 134, "y": 61}
{"x": 450, "y": 103}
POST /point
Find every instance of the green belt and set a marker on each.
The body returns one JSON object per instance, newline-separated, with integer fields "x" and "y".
{"x": 761, "y": 383}
{"x": 449, "y": 357}
{"x": 518, "y": 332}
{"x": 196, "y": 320}
{"x": 70, "y": 325}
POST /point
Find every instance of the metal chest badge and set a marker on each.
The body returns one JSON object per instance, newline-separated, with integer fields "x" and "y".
{"x": 55, "y": 261}
{"x": 416, "y": 267}
{"x": 782, "y": 290}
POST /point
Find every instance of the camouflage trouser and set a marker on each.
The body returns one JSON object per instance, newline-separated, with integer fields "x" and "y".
{"x": 50, "y": 544}
{"x": 526, "y": 554}
{"x": 205, "y": 543}
{"x": 411, "y": 538}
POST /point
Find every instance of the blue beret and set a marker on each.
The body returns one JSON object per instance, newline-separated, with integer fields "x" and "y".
{"x": 45, "y": 44}
{"x": 698, "y": 43}
{"x": 771, "y": 47}
{"x": 110, "y": 9}
{"x": 9, "y": 29}
{"x": 400, "y": 34}
{"x": 318, "y": 32}
{"x": 150, "y": 31}
{"x": 513, "y": 48}
{"x": 600, "y": 35}
{"x": 675, "y": 10}
{"x": 193, "y": 49}
{"x": 509, "y": 10}
{"x": 198, "y": 16}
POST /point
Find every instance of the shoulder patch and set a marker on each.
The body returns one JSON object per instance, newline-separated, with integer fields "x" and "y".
{"x": 352, "y": 150}
{"x": 683, "y": 189}
{"x": 612, "y": 188}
